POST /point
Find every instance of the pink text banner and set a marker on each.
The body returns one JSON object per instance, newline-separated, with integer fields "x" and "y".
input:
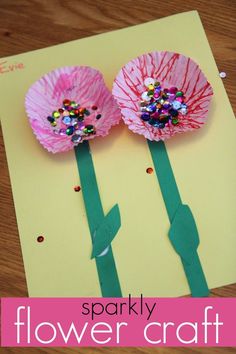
{"x": 81, "y": 322}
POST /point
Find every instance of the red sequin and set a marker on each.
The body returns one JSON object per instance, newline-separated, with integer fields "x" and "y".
{"x": 40, "y": 238}
{"x": 149, "y": 170}
{"x": 77, "y": 188}
{"x": 66, "y": 102}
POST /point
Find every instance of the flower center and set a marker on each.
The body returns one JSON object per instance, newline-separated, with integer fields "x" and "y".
{"x": 69, "y": 121}
{"x": 161, "y": 107}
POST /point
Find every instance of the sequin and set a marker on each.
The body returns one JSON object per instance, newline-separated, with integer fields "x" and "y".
{"x": 77, "y": 188}
{"x": 161, "y": 125}
{"x": 173, "y": 90}
{"x": 150, "y": 88}
{"x": 183, "y": 111}
{"x": 66, "y": 113}
{"x": 50, "y": 119}
{"x": 166, "y": 104}
{"x": 164, "y": 119}
{"x": 145, "y": 116}
{"x": 150, "y": 94}
{"x": 149, "y": 170}
{"x": 173, "y": 112}
{"x": 80, "y": 132}
{"x": 143, "y": 109}
{"x": 70, "y": 130}
{"x": 66, "y": 120}
{"x": 74, "y": 122}
{"x": 76, "y": 139}
{"x": 154, "y": 122}
{"x": 98, "y": 116}
{"x": 223, "y": 75}
{"x": 56, "y": 114}
{"x": 72, "y": 114}
{"x": 62, "y": 132}
{"x": 149, "y": 81}
{"x": 175, "y": 121}
{"x": 171, "y": 97}
{"x": 94, "y": 108}
{"x": 89, "y": 129}
{"x": 151, "y": 108}
{"x": 156, "y": 115}
{"x": 66, "y": 102}
{"x": 73, "y": 104}
{"x": 179, "y": 94}
{"x": 81, "y": 126}
{"x": 145, "y": 96}
{"x": 40, "y": 239}
{"x": 176, "y": 104}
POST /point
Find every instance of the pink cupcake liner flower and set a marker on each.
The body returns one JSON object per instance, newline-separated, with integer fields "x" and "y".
{"x": 161, "y": 94}
{"x": 70, "y": 105}
{"x": 66, "y": 107}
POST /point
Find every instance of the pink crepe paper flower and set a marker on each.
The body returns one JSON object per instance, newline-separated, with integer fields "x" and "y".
{"x": 81, "y": 84}
{"x": 172, "y": 71}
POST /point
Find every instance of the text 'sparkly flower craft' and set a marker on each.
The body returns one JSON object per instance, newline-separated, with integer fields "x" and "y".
{"x": 161, "y": 94}
{"x": 66, "y": 108}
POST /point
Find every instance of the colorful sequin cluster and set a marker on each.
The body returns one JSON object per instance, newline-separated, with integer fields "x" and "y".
{"x": 159, "y": 106}
{"x": 69, "y": 120}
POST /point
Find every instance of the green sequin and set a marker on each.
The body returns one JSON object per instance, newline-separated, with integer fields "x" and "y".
{"x": 175, "y": 121}
{"x": 55, "y": 114}
{"x": 89, "y": 129}
{"x": 69, "y": 130}
{"x": 73, "y": 104}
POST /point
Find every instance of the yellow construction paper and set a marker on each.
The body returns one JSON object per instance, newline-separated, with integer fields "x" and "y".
{"x": 46, "y": 204}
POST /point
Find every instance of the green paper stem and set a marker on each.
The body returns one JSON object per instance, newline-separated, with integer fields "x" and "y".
{"x": 183, "y": 231}
{"x": 102, "y": 228}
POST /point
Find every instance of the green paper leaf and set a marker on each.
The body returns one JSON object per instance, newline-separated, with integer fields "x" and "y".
{"x": 106, "y": 232}
{"x": 183, "y": 233}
